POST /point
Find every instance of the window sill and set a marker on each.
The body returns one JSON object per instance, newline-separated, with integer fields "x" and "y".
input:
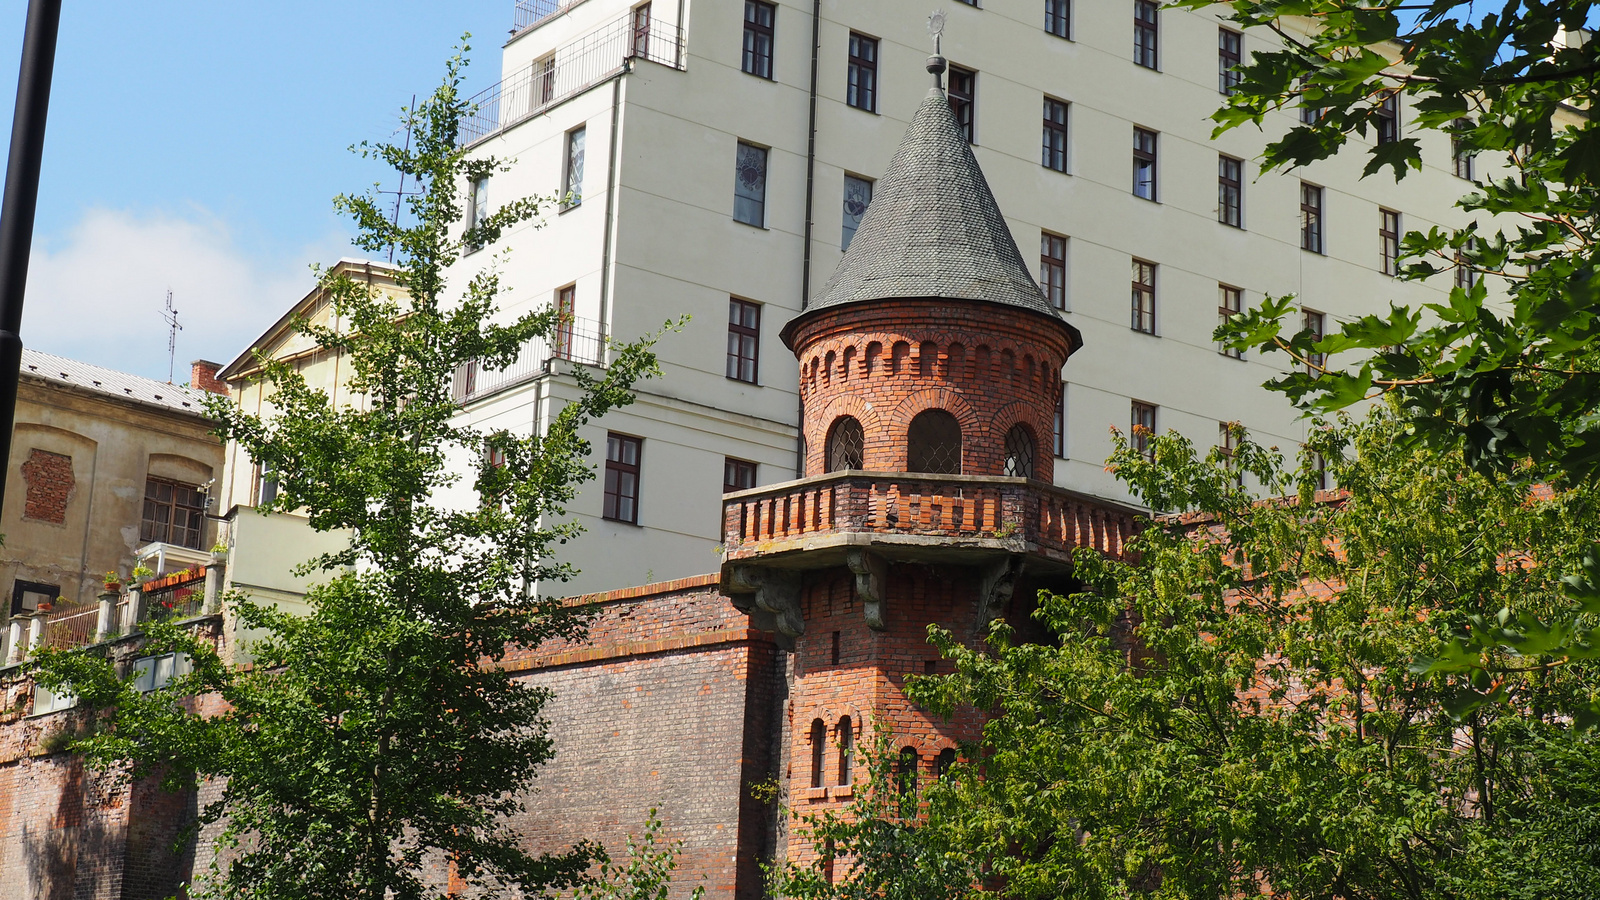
{"x": 737, "y": 380}
{"x": 1145, "y": 333}
{"x": 568, "y": 207}
{"x": 841, "y": 792}
{"x": 872, "y": 112}
{"x": 619, "y": 521}
{"x": 815, "y": 795}
{"x": 1145, "y": 199}
{"x": 751, "y": 225}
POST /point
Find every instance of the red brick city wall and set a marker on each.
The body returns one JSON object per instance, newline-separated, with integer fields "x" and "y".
{"x": 883, "y": 362}
{"x": 50, "y": 482}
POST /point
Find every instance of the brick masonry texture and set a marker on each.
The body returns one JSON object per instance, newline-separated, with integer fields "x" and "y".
{"x": 884, "y": 361}
{"x": 50, "y": 483}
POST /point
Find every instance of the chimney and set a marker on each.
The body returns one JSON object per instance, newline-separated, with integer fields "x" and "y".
{"x": 203, "y": 376}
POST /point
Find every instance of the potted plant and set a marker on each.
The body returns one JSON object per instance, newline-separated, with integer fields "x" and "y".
{"x": 112, "y": 582}
{"x": 142, "y": 573}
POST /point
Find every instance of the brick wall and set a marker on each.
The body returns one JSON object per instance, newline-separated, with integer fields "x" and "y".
{"x": 990, "y": 366}
{"x": 50, "y": 483}
{"x": 203, "y": 377}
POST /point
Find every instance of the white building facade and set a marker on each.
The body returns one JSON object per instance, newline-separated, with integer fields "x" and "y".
{"x": 705, "y": 176}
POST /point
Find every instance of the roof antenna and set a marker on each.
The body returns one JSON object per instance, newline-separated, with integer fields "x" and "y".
{"x": 936, "y": 64}
{"x": 170, "y": 316}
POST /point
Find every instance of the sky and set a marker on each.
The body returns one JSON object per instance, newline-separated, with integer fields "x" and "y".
{"x": 197, "y": 146}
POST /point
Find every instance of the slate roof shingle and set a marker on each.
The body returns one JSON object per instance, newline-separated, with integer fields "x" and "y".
{"x": 123, "y": 386}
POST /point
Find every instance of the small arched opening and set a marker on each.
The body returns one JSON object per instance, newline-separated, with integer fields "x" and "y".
{"x": 1021, "y": 452}
{"x": 819, "y": 750}
{"x": 846, "y": 446}
{"x": 846, "y": 740}
{"x": 933, "y": 443}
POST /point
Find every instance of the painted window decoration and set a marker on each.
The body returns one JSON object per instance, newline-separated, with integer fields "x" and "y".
{"x": 572, "y": 176}
{"x": 857, "y": 197}
{"x": 750, "y": 185}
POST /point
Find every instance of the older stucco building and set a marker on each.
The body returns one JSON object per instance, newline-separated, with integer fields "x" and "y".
{"x": 107, "y": 469}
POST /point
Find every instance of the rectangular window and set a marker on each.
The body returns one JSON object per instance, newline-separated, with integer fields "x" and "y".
{"x": 28, "y": 596}
{"x": 1060, "y": 437}
{"x": 1311, "y": 218}
{"x": 622, "y": 478}
{"x": 1144, "y": 33}
{"x": 1144, "y": 164}
{"x": 152, "y": 673}
{"x": 1389, "y": 241}
{"x": 1053, "y": 268}
{"x": 46, "y": 701}
{"x": 1055, "y": 135}
{"x": 744, "y": 339}
{"x": 266, "y": 484}
{"x": 750, "y": 185}
{"x": 1230, "y": 54}
{"x": 477, "y": 208}
{"x": 737, "y": 475}
{"x": 861, "y": 91}
{"x": 857, "y": 197}
{"x": 566, "y": 305}
{"x": 1230, "y": 191}
{"x": 1058, "y": 18}
{"x": 758, "y": 18}
{"x": 1461, "y": 155}
{"x": 1466, "y": 275}
{"x": 1142, "y": 427}
{"x": 1316, "y": 323}
{"x": 1144, "y": 296}
{"x": 641, "y": 31}
{"x": 173, "y": 513}
{"x": 572, "y": 175}
{"x": 1230, "y": 302}
{"x": 546, "y": 68}
{"x": 1388, "y": 115}
{"x": 964, "y": 100}
{"x": 1228, "y": 446}
{"x": 1319, "y": 466}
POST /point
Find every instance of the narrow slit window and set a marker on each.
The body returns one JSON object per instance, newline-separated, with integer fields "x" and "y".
{"x": 1145, "y": 34}
{"x": 1230, "y": 54}
{"x": 1144, "y": 164}
{"x": 1388, "y": 242}
{"x": 1316, "y": 323}
{"x": 744, "y": 339}
{"x": 1142, "y": 428}
{"x": 1230, "y": 302}
{"x": 1311, "y": 236}
{"x": 572, "y": 175}
{"x": 847, "y": 751}
{"x": 1054, "y": 155}
{"x": 1144, "y": 296}
{"x": 861, "y": 90}
{"x": 1388, "y": 116}
{"x": 1053, "y": 268}
{"x": 963, "y": 94}
{"x": 1230, "y": 191}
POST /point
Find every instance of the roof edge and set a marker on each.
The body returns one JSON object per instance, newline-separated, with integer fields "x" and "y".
{"x": 786, "y": 334}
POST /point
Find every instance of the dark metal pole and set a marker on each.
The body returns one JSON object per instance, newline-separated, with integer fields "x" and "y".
{"x": 21, "y": 200}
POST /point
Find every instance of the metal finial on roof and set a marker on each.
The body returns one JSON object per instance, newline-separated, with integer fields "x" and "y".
{"x": 936, "y": 62}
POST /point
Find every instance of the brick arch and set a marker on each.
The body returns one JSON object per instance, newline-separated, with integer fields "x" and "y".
{"x": 943, "y": 398}
{"x": 818, "y": 424}
{"x": 1039, "y": 420}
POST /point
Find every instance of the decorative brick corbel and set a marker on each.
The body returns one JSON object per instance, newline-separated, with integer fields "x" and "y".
{"x": 872, "y": 573}
{"x": 995, "y": 584}
{"x": 776, "y": 603}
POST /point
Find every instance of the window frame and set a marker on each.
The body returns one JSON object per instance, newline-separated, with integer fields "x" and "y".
{"x": 1230, "y": 191}
{"x": 1058, "y": 13}
{"x": 1313, "y": 227}
{"x": 566, "y": 304}
{"x": 172, "y": 506}
{"x": 739, "y": 470}
{"x": 861, "y": 73}
{"x": 847, "y": 232}
{"x": 1230, "y": 302}
{"x": 1228, "y": 59}
{"x": 1058, "y": 437}
{"x": 1316, "y": 322}
{"x": 1142, "y": 418}
{"x": 1147, "y": 34}
{"x": 477, "y": 211}
{"x": 611, "y": 509}
{"x": 1463, "y": 161}
{"x": 572, "y": 167}
{"x": 1143, "y": 296}
{"x": 751, "y": 60}
{"x": 1387, "y": 116}
{"x": 742, "y": 337}
{"x": 758, "y": 203}
{"x": 1147, "y": 158}
{"x": 964, "y": 101}
{"x": 1053, "y": 268}
{"x": 1389, "y": 241}
{"x": 1053, "y": 152}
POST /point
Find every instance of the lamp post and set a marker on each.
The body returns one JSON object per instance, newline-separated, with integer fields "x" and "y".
{"x": 20, "y": 202}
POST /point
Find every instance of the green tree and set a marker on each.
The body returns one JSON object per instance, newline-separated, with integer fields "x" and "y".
{"x": 376, "y": 737}
{"x": 877, "y": 846}
{"x": 1235, "y": 714}
{"x": 647, "y": 872}
{"x": 1509, "y": 376}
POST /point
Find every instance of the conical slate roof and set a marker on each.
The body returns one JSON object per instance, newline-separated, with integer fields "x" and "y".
{"x": 933, "y": 229}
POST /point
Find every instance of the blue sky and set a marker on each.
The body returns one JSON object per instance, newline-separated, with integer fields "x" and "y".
{"x": 197, "y": 146}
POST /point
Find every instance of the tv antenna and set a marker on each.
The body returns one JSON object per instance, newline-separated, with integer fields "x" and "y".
{"x": 402, "y": 193}
{"x": 170, "y": 316}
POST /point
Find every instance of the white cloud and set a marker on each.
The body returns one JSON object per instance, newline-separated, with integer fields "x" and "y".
{"x": 96, "y": 293}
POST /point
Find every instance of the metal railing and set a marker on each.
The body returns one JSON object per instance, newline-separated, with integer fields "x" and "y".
{"x": 66, "y": 627}
{"x": 178, "y": 596}
{"x": 570, "y": 70}
{"x": 577, "y": 340}
{"x": 531, "y": 12}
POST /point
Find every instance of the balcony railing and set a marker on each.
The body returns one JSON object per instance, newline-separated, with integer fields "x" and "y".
{"x": 66, "y": 627}
{"x": 570, "y": 70}
{"x": 577, "y": 340}
{"x": 531, "y": 12}
{"x": 953, "y": 507}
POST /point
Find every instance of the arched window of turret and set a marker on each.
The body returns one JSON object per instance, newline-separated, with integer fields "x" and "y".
{"x": 906, "y": 770}
{"x": 1020, "y": 452}
{"x": 933, "y": 443}
{"x": 846, "y": 445}
{"x": 847, "y": 749}
{"x": 947, "y": 758}
{"x": 819, "y": 750}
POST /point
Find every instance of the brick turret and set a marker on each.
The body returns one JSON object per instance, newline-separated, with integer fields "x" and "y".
{"x": 929, "y": 366}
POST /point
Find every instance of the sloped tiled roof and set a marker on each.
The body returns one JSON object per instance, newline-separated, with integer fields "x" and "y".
{"x": 933, "y": 229}
{"x": 123, "y": 386}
